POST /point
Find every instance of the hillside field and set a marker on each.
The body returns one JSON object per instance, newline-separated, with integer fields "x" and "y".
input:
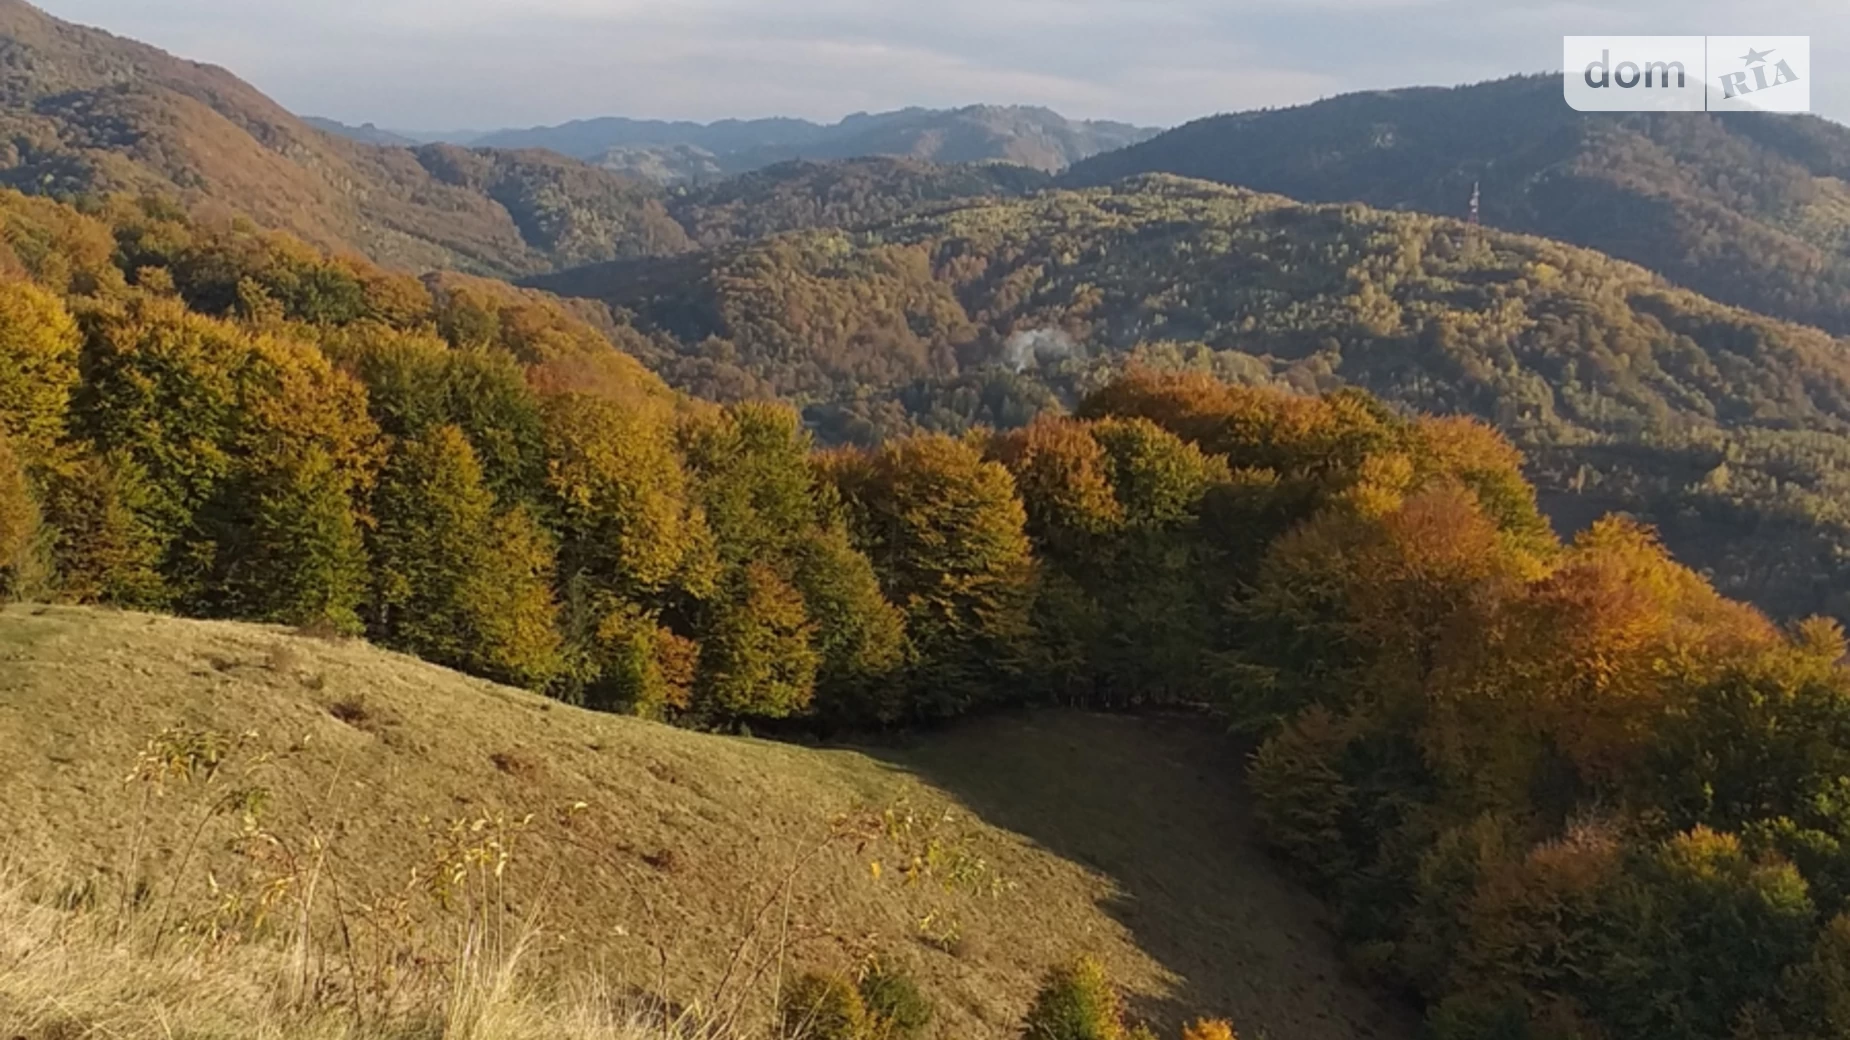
{"x": 651, "y": 851}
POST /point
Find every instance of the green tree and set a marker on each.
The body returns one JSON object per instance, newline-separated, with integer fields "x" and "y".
{"x": 623, "y": 658}
{"x": 756, "y": 658}
{"x": 947, "y": 536}
{"x": 416, "y": 382}
{"x": 456, "y": 583}
{"x": 105, "y": 550}
{"x": 1707, "y": 932}
{"x": 756, "y": 485}
{"x": 301, "y": 559}
{"x": 622, "y": 501}
{"x": 19, "y": 518}
{"x": 859, "y": 636}
{"x": 764, "y": 505}
{"x": 514, "y": 609}
{"x": 1815, "y": 994}
{"x": 202, "y": 406}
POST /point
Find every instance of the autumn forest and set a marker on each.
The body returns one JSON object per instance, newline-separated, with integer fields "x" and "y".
{"x": 1514, "y": 570}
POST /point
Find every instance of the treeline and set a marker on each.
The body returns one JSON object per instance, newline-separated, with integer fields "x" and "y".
{"x": 1729, "y": 430}
{"x": 1555, "y": 790}
{"x": 225, "y": 423}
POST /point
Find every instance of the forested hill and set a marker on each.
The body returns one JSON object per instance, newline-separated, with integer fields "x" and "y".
{"x": 83, "y": 111}
{"x": 1627, "y": 392}
{"x": 1748, "y": 209}
{"x": 86, "y": 113}
{"x": 1550, "y": 789}
{"x": 1037, "y": 138}
{"x": 846, "y": 194}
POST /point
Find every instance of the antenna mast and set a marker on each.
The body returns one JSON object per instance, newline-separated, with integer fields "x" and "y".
{"x": 1476, "y": 198}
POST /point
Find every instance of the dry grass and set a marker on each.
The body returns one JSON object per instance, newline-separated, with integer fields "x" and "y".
{"x": 696, "y": 869}
{"x": 65, "y": 974}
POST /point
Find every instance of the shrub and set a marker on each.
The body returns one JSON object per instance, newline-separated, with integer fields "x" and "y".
{"x": 821, "y": 1007}
{"x": 897, "y": 1009}
{"x": 1210, "y": 1029}
{"x": 1076, "y": 1002}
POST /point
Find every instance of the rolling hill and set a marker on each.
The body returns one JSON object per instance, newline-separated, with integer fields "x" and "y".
{"x": 652, "y": 850}
{"x": 366, "y": 134}
{"x": 1627, "y": 393}
{"x": 680, "y": 151}
{"x": 848, "y": 193}
{"x": 87, "y": 112}
{"x": 1751, "y": 210}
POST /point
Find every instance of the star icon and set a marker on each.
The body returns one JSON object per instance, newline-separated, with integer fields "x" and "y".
{"x": 1754, "y": 57}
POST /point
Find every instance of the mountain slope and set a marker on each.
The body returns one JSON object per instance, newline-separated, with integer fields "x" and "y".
{"x": 83, "y": 111}
{"x": 367, "y": 134}
{"x": 1749, "y": 209}
{"x": 847, "y": 193}
{"x": 1628, "y": 393}
{"x": 655, "y": 847}
{"x": 1034, "y": 137}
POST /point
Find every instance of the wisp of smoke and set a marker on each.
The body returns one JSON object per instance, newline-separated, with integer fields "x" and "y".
{"x": 1036, "y": 345}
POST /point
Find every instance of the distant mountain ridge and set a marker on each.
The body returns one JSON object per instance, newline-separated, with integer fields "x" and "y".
{"x": 85, "y": 112}
{"x": 1750, "y": 209}
{"x": 365, "y": 134}
{"x": 1037, "y": 138}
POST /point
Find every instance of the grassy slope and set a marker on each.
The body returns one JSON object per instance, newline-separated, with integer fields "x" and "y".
{"x": 1120, "y": 836}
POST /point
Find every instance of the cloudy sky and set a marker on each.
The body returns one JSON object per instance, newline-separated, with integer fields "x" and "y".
{"x": 452, "y": 64}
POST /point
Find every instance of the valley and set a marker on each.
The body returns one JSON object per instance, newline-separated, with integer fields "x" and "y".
{"x": 1369, "y": 568}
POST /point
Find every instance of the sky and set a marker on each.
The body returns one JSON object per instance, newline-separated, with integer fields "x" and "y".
{"x": 485, "y": 64}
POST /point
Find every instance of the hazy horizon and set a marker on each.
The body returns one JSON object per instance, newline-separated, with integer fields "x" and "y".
{"x": 455, "y": 65}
